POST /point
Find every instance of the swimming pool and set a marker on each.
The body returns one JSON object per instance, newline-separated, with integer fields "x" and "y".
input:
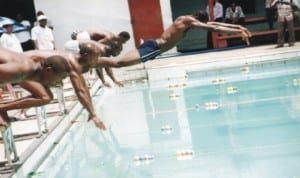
{"x": 240, "y": 121}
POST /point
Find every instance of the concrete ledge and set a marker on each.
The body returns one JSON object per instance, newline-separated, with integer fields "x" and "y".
{"x": 176, "y": 67}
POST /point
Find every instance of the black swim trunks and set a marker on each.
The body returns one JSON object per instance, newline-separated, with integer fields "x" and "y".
{"x": 149, "y": 50}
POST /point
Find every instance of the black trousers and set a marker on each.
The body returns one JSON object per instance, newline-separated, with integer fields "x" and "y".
{"x": 28, "y": 45}
{"x": 270, "y": 15}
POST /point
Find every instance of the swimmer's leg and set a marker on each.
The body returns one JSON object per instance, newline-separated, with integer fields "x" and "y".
{"x": 134, "y": 57}
{"x": 40, "y": 95}
{"x": 131, "y": 58}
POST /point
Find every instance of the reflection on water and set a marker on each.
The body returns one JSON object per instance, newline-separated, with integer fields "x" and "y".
{"x": 240, "y": 126}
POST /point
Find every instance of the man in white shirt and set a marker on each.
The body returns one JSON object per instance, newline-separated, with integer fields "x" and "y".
{"x": 9, "y": 40}
{"x": 218, "y": 11}
{"x": 24, "y": 36}
{"x": 42, "y": 35}
{"x": 234, "y": 14}
{"x": 49, "y": 22}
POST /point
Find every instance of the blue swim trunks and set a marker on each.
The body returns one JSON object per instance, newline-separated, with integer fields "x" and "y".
{"x": 149, "y": 50}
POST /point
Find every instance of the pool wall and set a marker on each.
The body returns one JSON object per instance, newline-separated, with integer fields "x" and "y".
{"x": 178, "y": 69}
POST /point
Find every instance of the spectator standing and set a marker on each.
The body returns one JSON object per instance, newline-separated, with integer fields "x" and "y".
{"x": 285, "y": 17}
{"x": 218, "y": 17}
{"x": 218, "y": 11}
{"x": 42, "y": 35}
{"x": 8, "y": 39}
{"x": 234, "y": 14}
{"x": 24, "y": 36}
{"x": 49, "y": 23}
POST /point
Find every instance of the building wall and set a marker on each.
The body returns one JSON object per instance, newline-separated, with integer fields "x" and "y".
{"x": 167, "y": 18}
{"x": 10, "y": 8}
{"x": 195, "y": 39}
{"x": 69, "y": 15}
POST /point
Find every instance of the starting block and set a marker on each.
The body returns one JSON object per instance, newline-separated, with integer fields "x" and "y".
{"x": 41, "y": 120}
{"x": 9, "y": 144}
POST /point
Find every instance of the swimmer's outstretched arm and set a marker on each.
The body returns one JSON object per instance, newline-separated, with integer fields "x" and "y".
{"x": 215, "y": 28}
{"x": 40, "y": 95}
{"x": 231, "y": 26}
{"x": 84, "y": 97}
{"x": 130, "y": 58}
{"x": 245, "y": 34}
{"x": 225, "y": 24}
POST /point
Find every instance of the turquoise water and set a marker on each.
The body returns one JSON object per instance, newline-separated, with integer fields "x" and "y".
{"x": 235, "y": 122}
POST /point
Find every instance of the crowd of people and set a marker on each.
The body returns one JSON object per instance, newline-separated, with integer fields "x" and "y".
{"x": 44, "y": 66}
{"x": 234, "y": 14}
{"x": 283, "y": 10}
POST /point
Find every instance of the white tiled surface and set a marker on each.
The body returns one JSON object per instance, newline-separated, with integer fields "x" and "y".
{"x": 174, "y": 67}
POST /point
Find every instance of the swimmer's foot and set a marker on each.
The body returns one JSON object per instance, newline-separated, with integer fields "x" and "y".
{"x": 13, "y": 118}
{"x": 3, "y": 121}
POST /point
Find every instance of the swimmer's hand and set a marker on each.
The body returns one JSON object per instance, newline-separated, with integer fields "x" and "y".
{"x": 245, "y": 30}
{"x": 245, "y": 36}
{"x": 120, "y": 84}
{"x": 106, "y": 84}
{"x": 97, "y": 122}
{"x": 245, "y": 33}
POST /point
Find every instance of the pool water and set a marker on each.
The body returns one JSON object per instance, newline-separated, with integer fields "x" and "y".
{"x": 237, "y": 122}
